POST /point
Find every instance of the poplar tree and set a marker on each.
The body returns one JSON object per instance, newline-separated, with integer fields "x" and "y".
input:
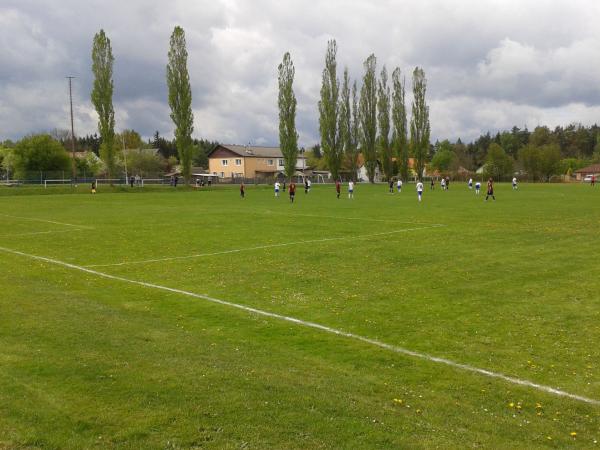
{"x": 383, "y": 119}
{"x": 288, "y": 137}
{"x": 399, "y": 133}
{"x": 368, "y": 116}
{"x": 329, "y": 112}
{"x": 180, "y": 100}
{"x": 347, "y": 136}
{"x": 102, "y": 93}
{"x": 419, "y": 122}
{"x": 353, "y": 150}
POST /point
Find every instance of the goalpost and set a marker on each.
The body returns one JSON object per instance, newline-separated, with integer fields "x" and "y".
{"x": 60, "y": 182}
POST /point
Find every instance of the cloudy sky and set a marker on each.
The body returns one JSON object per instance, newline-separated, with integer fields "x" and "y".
{"x": 489, "y": 64}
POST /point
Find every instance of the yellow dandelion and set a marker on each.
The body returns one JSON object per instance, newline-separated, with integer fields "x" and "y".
{"x": 573, "y": 433}
{"x": 511, "y": 405}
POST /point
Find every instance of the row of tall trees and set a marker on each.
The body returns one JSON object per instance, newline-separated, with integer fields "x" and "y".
{"x": 180, "y": 99}
{"x": 376, "y": 123}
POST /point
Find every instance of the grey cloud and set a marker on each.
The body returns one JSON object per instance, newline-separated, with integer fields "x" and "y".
{"x": 489, "y": 64}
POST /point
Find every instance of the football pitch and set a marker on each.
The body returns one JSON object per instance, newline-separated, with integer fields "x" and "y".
{"x": 197, "y": 319}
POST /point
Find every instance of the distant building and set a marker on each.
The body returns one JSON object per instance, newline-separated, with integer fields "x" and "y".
{"x": 240, "y": 161}
{"x": 362, "y": 169}
{"x": 594, "y": 169}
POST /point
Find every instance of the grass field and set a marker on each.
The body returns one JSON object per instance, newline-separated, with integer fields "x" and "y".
{"x": 90, "y": 356}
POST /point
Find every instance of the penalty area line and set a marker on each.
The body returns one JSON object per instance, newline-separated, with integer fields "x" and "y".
{"x": 33, "y": 233}
{"x": 317, "y": 326}
{"x": 263, "y": 247}
{"x": 47, "y": 221}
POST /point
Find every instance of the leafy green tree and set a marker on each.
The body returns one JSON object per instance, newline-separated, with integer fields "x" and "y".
{"x": 596, "y": 154}
{"x": 145, "y": 162}
{"x": 7, "y": 161}
{"x": 90, "y": 165}
{"x": 329, "y": 113}
{"x": 102, "y": 93}
{"x": 549, "y": 160}
{"x": 368, "y": 116}
{"x": 498, "y": 164}
{"x": 383, "y": 119}
{"x": 352, "y": 151}
{"x": 129, "y": 139}
{"x": 400, "y": 128}
{"x": 346, "y": 116}
{"x": 39, "y": 153}
{"x": 180, "y": 100}
{"x": 529, "y": 158}
{"x": 288, "y": 136}
{"x": 419, "y": 122}
{"x": 443, "y": 160}
{"x": 541, "y": 135}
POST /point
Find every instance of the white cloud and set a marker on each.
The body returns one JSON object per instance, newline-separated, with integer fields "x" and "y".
{"x": 490, "y": 64}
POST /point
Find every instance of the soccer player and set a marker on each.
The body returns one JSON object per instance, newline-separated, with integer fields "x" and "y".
{"x": 490, "y": 190}
{"x": 470, "y": 183}
{"x": 350, "y": 189}
{"x": 93, "y": 187}
{"x": 399, "y": 185}
{"x": 309, "y": 184}
{"x": 514, "y": 183}
{"x": 338, "y": 188}
{"x": 593, "y": 181}
{"x": 306, "y": 185}
{"x": 432, "y": 185}
{"x": 477, "y": 187}
{"x": 391, "y": 186}
{"x": 443, "y": 183}
{"x": 292, "y": 190}
{"x": 242, "y": 190}
{"x": 419, "y": 190}
{"x": 277, "y": 189}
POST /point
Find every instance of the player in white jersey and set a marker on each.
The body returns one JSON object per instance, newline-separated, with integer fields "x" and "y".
{"x": 419, "y": 190}
{"x": 277, "y": 185}
{"x": 477, "y": 187}
{"x": 399, "y": 185}
{"x": 351, "y": 189}
{"x": 514, "y": 183}
{"x": 470, "y": 183}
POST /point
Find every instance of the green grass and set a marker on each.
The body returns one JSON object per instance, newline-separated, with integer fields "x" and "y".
{"x": 510, "y": 286}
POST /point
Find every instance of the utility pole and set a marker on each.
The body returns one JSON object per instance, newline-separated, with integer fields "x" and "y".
{"x": 74, "y": 173}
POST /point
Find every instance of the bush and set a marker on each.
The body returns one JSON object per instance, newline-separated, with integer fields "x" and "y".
{"x": 40, "y": 154}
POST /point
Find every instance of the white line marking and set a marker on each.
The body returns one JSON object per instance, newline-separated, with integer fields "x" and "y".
{"x": 262, "y": 247}
{"x": 40, "y": 232}
{"x": 374, "y": 342}
{"x": 318, "y": 216}
{"x": 48, "y": 221}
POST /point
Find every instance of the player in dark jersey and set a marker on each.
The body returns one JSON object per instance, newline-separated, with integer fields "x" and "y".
{"x": 490, "y": 190}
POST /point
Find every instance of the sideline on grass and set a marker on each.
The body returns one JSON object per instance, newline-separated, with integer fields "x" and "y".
{"x": 374, "y": 342}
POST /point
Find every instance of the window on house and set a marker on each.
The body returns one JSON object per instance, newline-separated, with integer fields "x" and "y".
{"x": 280, "y": 162}
{"x": 224, "y": 162}
{"x": 222, "y": 174}
{"x": 269, "y": 162}
{"x": 238, "y": 162}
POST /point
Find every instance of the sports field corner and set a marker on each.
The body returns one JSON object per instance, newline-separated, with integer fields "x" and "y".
{"x": 199, "y": 319}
